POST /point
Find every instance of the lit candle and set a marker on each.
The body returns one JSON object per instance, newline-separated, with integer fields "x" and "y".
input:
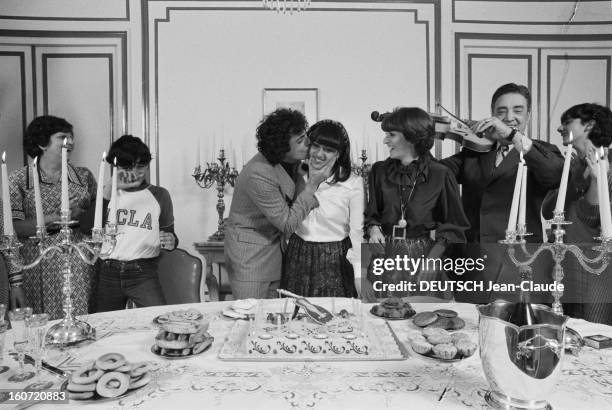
{"x": 515, "y": 199}
{"x": 604, "y": 196}
{"x": 65, "y": 204}
{"x": 560, "y": 205}
{"x": 100, "y": 194}
{"x": 523, "y": 200}
{"x": 7, "y": 215}
{"x": 112, "y": 213}
{"x": 40, "y": 215}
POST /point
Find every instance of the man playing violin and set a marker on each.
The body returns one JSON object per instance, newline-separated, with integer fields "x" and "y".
{"x": 488, "y": 178}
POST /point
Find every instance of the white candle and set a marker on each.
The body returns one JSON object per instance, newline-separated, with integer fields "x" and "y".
{"x": 515, "y": 199}
{"x": 7, "y": 215}
{"x": 100, "y": 194}
{"x": 65, "y": 204}
{"x": 112, "y": 213}
{"x": 523, "y": 200}
{"x": 604, "y": 197}
{"x": 40, "y": 215}
{"x": 560, "y": 205}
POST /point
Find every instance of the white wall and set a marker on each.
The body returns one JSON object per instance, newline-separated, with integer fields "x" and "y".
{"x": 185, "y": 72}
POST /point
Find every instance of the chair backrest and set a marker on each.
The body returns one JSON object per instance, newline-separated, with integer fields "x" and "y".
{"x": 180, "y": 274}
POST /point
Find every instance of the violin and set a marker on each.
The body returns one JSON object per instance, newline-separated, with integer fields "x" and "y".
{"x": 460, "y": 132}
{"x": 454, "y": 129}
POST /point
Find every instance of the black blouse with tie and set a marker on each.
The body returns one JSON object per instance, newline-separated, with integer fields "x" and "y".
{"x": 424, "y": 193}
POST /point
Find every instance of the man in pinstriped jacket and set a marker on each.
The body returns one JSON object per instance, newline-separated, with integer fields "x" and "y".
{"x": 266, "y": 206}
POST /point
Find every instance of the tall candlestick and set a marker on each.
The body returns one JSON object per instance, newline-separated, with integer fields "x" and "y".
{"x": 112, "y": 213}
{"x": 65, "y": 204}
{"x": 515, "y": 199}
{"x": 7, "y": 215}
{"x": 100, "y": 194}
{"x": 523, "y": 200}
{"x": 40, "y": 215}
{"x": 560, "y": 205}
{"x": 604, "y": 196}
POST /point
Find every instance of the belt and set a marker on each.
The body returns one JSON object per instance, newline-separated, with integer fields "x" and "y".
{"x": 123, "y": 265}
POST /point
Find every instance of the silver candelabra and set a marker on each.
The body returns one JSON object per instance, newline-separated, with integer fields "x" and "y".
{"x": 558, "y": 249}
{"x": 69, "y": 329}
{"x": 220, "y": 173}
{"x": 363, "y": 170}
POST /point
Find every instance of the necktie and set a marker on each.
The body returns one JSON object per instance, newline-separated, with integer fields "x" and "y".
{"x": 502, "y": 151}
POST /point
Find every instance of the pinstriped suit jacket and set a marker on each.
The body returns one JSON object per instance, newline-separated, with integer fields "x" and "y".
{"x": 263, "y": 209}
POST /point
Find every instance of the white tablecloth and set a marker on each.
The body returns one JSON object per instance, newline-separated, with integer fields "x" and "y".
{"x": 205, "y": 381}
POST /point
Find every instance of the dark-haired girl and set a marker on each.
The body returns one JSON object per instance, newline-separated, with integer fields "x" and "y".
{"x": 411, "y": 196}
{"x": 324, "y": 254}
{"x": 587, "y": 296}
{"x": 42, "y": 284}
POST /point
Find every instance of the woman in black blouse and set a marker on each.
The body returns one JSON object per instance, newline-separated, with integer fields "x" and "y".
{"x": 411, "y": 195}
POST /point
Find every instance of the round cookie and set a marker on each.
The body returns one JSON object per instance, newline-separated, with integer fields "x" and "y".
{"x": 459, "y": 336}
{"x": 106, "y": 385}
{"x": 428, "y": 331}
{"x": 423, "y": 319}
{"x": 140, "y": 381}
{"x": 110, "y": 361}
{"x": 456, "y": 323}
{"x": 86, "y": 374}
{"x": 80, "y": 388}
{"x": 445, "y": 351}
{"x": 138, "y": 369}
{"x": 446, "y": 313}
{"x": 442, "y": 323}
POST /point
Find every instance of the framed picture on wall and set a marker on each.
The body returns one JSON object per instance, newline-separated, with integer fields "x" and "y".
{"x": 305, "y": 100}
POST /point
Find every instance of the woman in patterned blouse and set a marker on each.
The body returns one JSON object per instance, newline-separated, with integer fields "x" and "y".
{"x": 43, "y": 284}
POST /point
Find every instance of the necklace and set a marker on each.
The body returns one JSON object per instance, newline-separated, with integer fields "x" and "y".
{"x": 399, "y": 230}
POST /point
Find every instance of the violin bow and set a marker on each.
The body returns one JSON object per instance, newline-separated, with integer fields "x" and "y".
{"x": 452, "y": 115}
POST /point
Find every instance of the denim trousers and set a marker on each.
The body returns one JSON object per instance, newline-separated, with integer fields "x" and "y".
{"x": 120, "y": 281}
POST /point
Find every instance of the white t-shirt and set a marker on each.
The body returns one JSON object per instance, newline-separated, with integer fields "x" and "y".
{"x": 140, "y": 216}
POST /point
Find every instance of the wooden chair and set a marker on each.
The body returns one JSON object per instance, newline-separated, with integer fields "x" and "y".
{"x": 180, "y": 274}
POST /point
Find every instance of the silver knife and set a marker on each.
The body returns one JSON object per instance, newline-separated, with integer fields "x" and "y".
{"x": 30, "y": 360}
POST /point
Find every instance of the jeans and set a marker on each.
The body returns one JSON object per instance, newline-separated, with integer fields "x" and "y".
{"x": 136, "y": 280}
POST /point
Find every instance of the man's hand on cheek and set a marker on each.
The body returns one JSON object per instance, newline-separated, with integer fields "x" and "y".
{"x": 128, "y": 179}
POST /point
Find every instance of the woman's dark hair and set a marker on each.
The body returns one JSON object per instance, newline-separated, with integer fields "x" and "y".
{"x": 512, "y": 88}
{"x": 275, "y": 130}
{"x": 601, "y": 133}
{"x": 39, "y": 132}
{"x": 332, "y": 134}
{"x": 415, "y": 124}
{"x": 129, "y": 151}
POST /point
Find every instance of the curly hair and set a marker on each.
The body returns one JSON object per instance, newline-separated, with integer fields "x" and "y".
{"x": 129, "y": 151}
{"x": 415, "y": 124}
{"x": 275, "y": 130}
{"x": 332, "y": 134}
{"x": 601, "y": 132}
{"x": 511, "y": 88}
{"x": 39, "y": 132}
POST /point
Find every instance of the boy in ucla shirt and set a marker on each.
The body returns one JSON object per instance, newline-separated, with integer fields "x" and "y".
{"x": 145, "y": 223}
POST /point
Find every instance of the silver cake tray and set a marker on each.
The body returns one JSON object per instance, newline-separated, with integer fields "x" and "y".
{"x": 383, "y": 344}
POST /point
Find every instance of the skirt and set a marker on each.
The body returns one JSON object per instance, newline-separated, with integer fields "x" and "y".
{"x": 316, "y": 269}
{"x": 413, "y": 248}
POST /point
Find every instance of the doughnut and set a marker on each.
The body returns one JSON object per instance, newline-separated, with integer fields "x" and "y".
{"x": 138, "y": 369}
{"x": 86, "y": 374}
{"x": 110, "y": 361}
{"x": 105, "y": 388}
{"x": 138, "y": 382}
{"x": 125, "y": 368}
{"x": 182, "y": 327}
{"x": 80, "y": 388}
{"x": 81, "y": 395}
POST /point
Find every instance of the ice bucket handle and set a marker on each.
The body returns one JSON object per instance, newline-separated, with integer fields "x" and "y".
{"x": 527, "y": 347}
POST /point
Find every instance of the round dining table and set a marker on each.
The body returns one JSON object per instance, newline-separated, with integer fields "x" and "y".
{"x": 206, "y": 381}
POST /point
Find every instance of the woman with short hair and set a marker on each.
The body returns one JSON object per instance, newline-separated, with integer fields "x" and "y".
{"x": 410, "y": 196}
{"x": 44, "y": 138}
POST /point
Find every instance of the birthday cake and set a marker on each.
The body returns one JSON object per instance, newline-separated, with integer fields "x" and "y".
{"x": 303, "y": 338}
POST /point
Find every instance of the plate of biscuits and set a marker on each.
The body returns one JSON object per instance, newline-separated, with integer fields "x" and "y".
{"x": 182, "y": 340}
{"x": 393, "y": 309}
{"x": 109, "y": 377}
{"x": 178, "y": 315}
{"x": 443, "y": 346}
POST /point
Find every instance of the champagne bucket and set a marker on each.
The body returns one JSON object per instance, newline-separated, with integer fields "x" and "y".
{"x": 521, "y": 364}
